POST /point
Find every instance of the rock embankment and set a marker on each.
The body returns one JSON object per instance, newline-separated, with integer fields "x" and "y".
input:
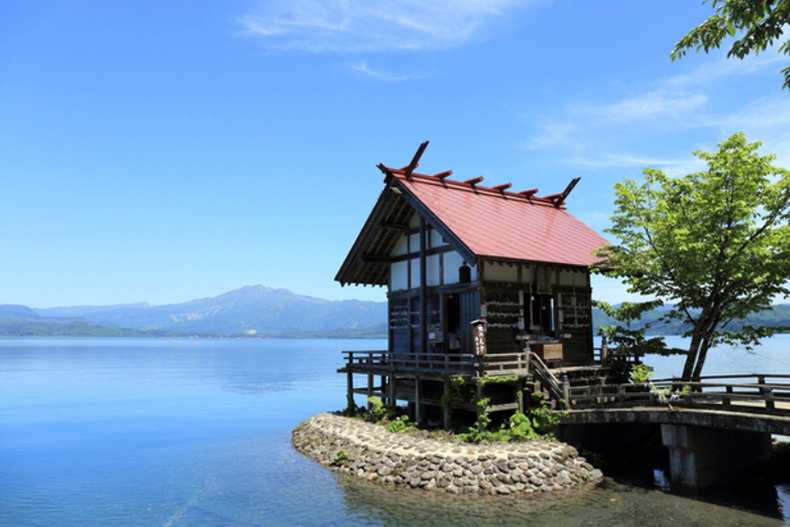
{"x": 367, "y": 450}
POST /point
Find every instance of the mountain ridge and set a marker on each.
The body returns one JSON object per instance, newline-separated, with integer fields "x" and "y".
{"x": 256, "y": 310}
{"x": 250, "y": 310}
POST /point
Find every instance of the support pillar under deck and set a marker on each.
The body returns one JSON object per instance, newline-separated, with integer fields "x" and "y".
{"x": 700, "y": 457}
{"x": 417, "y": 401}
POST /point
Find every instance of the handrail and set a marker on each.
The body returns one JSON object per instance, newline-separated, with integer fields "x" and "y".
{"x": 746, "y": 393}
{"x": 547, "y": 379}
{"x": 494, "y": 365}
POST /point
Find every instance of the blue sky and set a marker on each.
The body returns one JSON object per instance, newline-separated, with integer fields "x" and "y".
{"x": 165, "y": 151}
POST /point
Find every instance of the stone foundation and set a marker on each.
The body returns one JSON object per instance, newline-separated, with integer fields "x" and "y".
{"x": 367, "y": 450}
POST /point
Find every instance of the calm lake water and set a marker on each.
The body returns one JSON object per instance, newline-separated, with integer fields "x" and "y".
{"x": 178, "y": 432}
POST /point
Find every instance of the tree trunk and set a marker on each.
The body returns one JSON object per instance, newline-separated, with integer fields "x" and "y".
{"x": 691, "y": 358}
{"x": 703, "y": 353}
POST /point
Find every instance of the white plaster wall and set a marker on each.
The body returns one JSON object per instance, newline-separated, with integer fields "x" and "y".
{"x": 436, "y": 239}
{"x": 399, "y": 277}
{"x": 573, "y": 278}
{"x": 402, "y": 247}
{"x": 452, "y": 261}
{"x": 433, "y": 269}
{"x": 500, "y": 273}
{"x": 415, "y": 242}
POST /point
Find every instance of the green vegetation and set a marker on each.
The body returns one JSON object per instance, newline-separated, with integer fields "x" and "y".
{"x": 716, "y": 243}
{"x": 760, "y": 21}
{"x": 538, "y": 422}
{"x": 79, "y": 329}
{"x": 625, "y": 340}
{"x": 641, "y": 374}
{"x": 652, "y": 321}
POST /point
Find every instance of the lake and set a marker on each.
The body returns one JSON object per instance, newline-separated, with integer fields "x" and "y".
{"x": 196, "y": 432}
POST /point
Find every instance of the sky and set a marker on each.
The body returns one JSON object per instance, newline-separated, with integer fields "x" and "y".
{"x": 166, "y": 151}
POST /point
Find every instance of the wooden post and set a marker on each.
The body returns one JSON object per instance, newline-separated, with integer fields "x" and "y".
{"x": 370, "y": 391}
{"x": 350, "y": 381}
{"x": 566, "y": 390}
{"x": 423, "y": 288}
{"x": 417, "y": 400}
{"x": 446, "y": 405}
{"x": 391, "y": 388}
{"x": 769, "y": 398}
{"x": 479, "y": 398}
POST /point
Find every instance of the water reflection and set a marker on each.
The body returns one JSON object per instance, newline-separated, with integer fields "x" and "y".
{"x": 613, "y": 505}
{"x": 196, "y": 432}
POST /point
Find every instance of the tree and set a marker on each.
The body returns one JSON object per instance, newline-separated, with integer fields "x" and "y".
{"x": 761, "y": 22}
{"x": 714, "y": 244}
{"x": 626, "y": 341}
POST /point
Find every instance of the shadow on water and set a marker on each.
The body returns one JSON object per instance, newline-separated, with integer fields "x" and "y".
{"x": 612, "y": 504}
{"x": 638, "y": 491}
{"x": 762, "y": 493}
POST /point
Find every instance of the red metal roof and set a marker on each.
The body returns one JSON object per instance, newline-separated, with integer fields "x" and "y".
{"x": 500, "y": 225}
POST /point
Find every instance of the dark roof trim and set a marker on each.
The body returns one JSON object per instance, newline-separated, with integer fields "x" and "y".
{"x": 356, "y": 252}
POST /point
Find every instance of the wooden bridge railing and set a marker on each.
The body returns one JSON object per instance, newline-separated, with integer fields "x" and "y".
{"x": 493, "y": 365}
{"x": 708, "y": 392}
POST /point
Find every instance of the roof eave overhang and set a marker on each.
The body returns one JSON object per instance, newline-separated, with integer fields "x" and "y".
{"x": 356, "y": 254}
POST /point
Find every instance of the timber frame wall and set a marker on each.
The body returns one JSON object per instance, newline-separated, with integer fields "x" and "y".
{"x": 432, "y": 307}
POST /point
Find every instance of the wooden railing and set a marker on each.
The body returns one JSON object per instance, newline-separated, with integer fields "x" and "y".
{"x": 493, "y": 365}
{"x": 708, "y": 392}
{"x": 548, "y": 382}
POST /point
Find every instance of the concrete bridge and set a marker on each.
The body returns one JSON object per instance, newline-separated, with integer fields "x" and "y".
{"x": 716, "y": 431}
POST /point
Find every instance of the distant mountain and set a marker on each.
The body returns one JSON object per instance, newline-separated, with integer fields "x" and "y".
{"x": 83, "y": 311}
{"x": 8, "y": 311}
{"x": 43, "y": 328}
{"x": 776, "y": 316}
{"x": 250, "y": 310}
{"x": 263, "y": 311}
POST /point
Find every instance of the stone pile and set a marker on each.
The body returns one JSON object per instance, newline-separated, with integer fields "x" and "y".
{"x": 367, "y": 450}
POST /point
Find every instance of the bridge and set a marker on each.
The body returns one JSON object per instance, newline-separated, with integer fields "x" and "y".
{"x": 715, "y": 429}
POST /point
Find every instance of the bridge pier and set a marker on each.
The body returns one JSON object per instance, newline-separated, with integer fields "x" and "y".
{"x": 700, "y": 457}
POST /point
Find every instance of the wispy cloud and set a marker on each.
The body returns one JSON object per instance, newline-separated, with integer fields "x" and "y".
{"x": 381, "y": 75}
{"x": 695, "y": 105}
{"x": 346, "y": 26}
{"x": 646, "y": 106}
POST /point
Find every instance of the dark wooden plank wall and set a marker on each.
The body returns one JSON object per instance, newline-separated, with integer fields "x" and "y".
{"x": 576, "y": 313}
{"x": 502, "y": 313}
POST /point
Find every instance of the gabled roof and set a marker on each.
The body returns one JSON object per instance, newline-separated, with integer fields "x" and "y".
{"x": 480, "y": 223}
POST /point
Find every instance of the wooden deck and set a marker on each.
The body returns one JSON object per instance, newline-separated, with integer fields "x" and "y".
{"x": 436, "y": 365}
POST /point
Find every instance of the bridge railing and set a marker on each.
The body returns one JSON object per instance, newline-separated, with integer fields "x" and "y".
{"x": 708, "y": 392}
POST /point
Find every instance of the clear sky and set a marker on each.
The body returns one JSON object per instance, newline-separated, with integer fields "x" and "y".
{"x": 165, "y": 151}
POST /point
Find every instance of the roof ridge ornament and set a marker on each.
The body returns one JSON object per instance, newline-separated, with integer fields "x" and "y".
{"x": 558, "y": 199}
{"x": 474, "y": 181}
{"x": 408, "y": 169}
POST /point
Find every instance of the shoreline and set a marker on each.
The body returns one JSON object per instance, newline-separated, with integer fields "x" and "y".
{"x": 366, "y": 450}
